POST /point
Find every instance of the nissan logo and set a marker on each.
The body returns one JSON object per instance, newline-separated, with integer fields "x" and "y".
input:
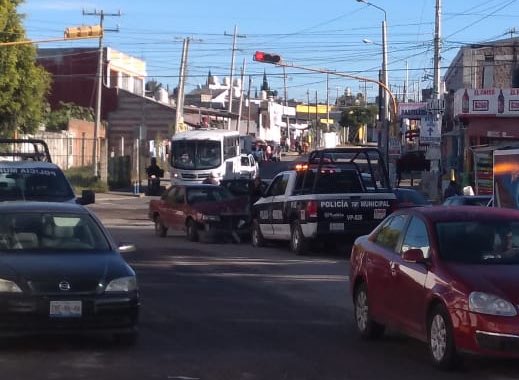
{"x": 64, "y": 285}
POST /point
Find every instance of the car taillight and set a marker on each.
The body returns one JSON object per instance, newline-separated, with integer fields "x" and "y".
{"x": 311, "y": 209}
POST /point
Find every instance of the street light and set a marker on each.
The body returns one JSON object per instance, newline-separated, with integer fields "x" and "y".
{"x": 385, "y": 116}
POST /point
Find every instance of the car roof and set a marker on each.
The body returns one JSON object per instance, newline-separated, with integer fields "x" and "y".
{"x": 30, "y": 206}
{"x": 27, "y": 164}
{"x": 458, "y": 213}
{"x": 471, "y": 196}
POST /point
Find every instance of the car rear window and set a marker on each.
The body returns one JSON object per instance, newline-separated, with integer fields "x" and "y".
{"x": 329, "y": 181}
{"x": 35, "y": 184}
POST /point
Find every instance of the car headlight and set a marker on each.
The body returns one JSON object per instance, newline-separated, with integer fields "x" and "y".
{"x": 7, "y": 286}
{"x": 485, "y": 303}
{"x": 123, "y": 284}
{"x": 210, "y": 218}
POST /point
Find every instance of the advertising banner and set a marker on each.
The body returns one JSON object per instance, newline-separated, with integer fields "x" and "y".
{"x": 506, "y": 178}
{"x": 501, "y": 102}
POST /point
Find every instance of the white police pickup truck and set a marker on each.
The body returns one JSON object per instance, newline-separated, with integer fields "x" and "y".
{"x": 27, "y": 173}
{"x": 340, "y": 193}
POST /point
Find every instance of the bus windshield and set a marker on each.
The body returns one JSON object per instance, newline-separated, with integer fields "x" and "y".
{"x": 196, "y": 154}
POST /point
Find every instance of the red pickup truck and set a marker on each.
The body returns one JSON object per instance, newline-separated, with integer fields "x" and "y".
{"x": 207, "y": 211}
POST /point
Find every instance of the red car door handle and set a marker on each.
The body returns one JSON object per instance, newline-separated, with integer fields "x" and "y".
{"x": 394, "y": 267}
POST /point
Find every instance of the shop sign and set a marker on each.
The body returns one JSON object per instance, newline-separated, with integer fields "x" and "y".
{"x": 501, "y": 102}
{"x": 412, "y": 111}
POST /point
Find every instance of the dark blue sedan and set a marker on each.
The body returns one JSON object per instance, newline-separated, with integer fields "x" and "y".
{"x": 60, "y": 272}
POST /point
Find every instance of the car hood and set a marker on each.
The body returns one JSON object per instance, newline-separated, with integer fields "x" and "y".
{"x": 43, "y": 271}
{"x": 230, "y": 206}
{"x": 500, "y": 280}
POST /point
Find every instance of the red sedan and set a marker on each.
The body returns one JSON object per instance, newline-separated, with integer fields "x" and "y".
{"x": 448, "y": 276}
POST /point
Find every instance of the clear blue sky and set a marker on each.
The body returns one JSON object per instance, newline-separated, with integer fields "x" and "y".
{"x": 324, "y": 34}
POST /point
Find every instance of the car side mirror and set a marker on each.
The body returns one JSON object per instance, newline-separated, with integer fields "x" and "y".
{"x": 126, "y": 247}
{"x": 87, "y": 197}
{"x": 414, "y": 255}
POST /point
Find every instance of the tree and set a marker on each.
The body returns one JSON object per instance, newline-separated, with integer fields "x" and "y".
{"x": 355, "y": 117}
{"x": 152, "y": 88}
{"x": 57, "y": 120}
{"x": 23, "y": 84}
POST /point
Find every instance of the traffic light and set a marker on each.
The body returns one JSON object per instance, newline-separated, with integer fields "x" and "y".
{"x": 84, "y": 31}
{"x": 261, "y": 56}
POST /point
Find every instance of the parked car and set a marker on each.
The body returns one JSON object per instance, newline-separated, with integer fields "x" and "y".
{"x": 444, "y": 275}
{"x": 208, "y": 210}
{"x": 410, "y": 198}
{"x": 60, "y": 271}
{"x": 468, "y": 200}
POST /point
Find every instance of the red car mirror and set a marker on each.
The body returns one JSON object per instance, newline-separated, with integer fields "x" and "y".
{"x": 414, "y": 255}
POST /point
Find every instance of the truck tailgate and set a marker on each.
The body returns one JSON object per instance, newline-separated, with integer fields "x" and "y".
{"x": 356, "y": 213}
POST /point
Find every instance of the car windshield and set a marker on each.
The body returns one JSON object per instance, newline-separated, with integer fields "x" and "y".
{"x": 479, "y": 242}
{"x": 24, "y": 183}
{"x": 196, "y": 154}
{"x": 50, "y": 232}
{"x": 207, "y": 194}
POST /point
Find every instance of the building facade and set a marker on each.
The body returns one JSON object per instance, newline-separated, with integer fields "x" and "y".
{"x": 482, "y": 109}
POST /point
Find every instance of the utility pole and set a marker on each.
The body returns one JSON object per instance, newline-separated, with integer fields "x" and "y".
{"x": 235, "y": 35}
{"x": 101, "y": 14}
{"x": 406, "y": 83}
{"x": 286, "y": 102}
{"x": 327, "y": 102}
{"x": 437, "y": 46}
{"x": 179, "y": 112}
{"x": 307, "y": 115}
{"x": 249, "y": 107}
{"x": 317, "y": 134}
{"x": 241, "y": 96}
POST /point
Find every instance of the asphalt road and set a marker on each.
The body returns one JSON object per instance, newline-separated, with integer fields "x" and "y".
{"x": 227, "y": 311}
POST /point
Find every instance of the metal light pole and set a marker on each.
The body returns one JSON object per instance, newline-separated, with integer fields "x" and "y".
{"x": 385, "y": 116}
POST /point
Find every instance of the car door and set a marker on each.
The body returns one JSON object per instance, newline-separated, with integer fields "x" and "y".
{"x": 408, "y": 279}
{"x": 263, "y": 208}
{"x": 168, "y": 206}
{"x": 179, "y": 211}
{"x": 280, "y": 222}
{"x": 380, "y": 254}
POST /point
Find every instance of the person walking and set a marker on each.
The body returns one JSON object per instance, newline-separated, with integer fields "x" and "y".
{"x": 451, "y": 190}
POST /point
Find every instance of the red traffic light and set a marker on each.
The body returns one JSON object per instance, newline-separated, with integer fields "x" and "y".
{"x": 261, "y": 56}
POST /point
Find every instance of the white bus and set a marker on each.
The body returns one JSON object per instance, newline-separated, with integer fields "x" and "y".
{"x": 194, "y": 155}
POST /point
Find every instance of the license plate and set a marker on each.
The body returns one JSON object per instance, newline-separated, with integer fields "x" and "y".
{"x": 65, "y": 309}
{"x": 379, "y": 213}
{"x": 336, "y": 226}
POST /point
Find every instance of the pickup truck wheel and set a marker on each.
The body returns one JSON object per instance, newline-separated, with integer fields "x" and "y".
{"x": 160, "y": 229}
{"x": 191, "y": 230}
{"x": 298, "y": 242}
{"x": 257, "y": 237}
